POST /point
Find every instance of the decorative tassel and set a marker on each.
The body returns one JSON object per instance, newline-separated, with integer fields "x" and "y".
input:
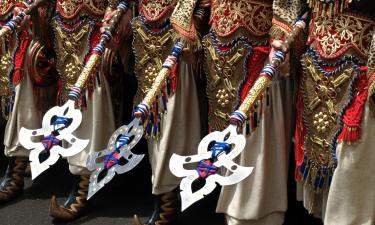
{"x": 328, "y": 7}
{"x": 317, "y": 178}
{"x": 350, "y": 134}
{"x": 351, "y": 131}
{"x": 248, "y": 130}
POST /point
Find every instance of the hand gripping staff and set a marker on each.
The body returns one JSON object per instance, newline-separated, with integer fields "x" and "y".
{"x": 118, "y": 158}
{"x": 59, "y": 123}
{"x": 218, "y": 149}
{"x": 12, "y": 25}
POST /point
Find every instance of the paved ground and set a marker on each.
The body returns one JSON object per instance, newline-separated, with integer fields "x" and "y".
{"x": 115, "y": 204}
{"x": 125, "y": 195}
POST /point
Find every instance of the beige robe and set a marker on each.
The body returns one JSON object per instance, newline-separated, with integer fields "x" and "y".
{"x": 179, "y": 132}
{"x": 97, "y": 126}
{"x": 351, "y": 199}
{"x": 97, "y": 123}
{"x": 24, "y": 114}
{"x": 261, "y": 199}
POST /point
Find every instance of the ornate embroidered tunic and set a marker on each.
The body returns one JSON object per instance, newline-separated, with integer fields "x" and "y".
{"x": 156, "y": 10}
{"x": 235, "y": 51}
{"x": 333, "y": 86}
{"x": 152, "y": 42}
{"x": 12, "y": 53}
{"x": 76, "y": 25}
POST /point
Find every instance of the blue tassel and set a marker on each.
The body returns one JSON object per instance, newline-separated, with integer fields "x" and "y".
{"x": 164, "y": 99}
{"x": 149, "y": 127}
{"x": 255, "y": 119}
{"x": 155, "y": 130}
{"x": 169, "y": 86}
{"x": 159, "y": 125}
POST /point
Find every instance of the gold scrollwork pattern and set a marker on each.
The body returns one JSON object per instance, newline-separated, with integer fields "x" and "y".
{"x": 335, "y": 36}
{"x": 229, "y": 15}
{"x": 225, "y": 74}
{"x": 71, "y": 48}
{"x": 70, "y": 8}
{"x": 153, "y": 10}
{"x": 6, "y": 6}
{"x": 6, "y": 64}
{"x": 182, "y": 19}
{"x": 150, "y": 50}
{"x": 325, "y": 96}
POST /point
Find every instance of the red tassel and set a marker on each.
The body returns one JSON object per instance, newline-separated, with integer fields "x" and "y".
{"x": 353, "y": 115}
{"x": 255, "y": 66}
{"x": 173, "y": 79}
{"x": 350, "y": 134}
{"x": 25, "y": 40}
{"x": 299, "y": 138}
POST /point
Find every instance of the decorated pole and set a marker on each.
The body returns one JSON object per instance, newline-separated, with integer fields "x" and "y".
{"x": 265, "y": 78}
{"x": 60, "y": 122}
{"x": 219, "y": 149}
{"x": 118, "y": 158}
{"x": 94, "y": 59}
{"x": 12, "y": 25}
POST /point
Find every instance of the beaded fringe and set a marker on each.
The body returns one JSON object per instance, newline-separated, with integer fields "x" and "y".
{"x": 328, "y": 7}
{"x": 154, "y": 121}
{"x": 255, "y": 116}
{"x": 316, "y": 177}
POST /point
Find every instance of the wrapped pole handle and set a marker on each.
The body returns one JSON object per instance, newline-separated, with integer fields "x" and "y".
{"x": 97, "y": 52}
{"x": 265, "y": 78}
{"x": 142, "y": 110}
{"x": 12, "y": 25}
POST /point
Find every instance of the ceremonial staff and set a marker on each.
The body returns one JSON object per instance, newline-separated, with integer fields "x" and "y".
{"x": 60, "y": 122}
{"x": 12, "y": 25}
{"x": 118, "y": 158}
{"x": 218, "y": 149}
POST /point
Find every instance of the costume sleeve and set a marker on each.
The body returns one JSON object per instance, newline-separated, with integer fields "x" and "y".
{"x": 182, "y": 20}
{"x": 285, "y": 13}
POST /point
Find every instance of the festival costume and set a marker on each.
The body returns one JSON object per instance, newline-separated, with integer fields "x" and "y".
{"x": 174, "y": 120}
{"x": 333, "y": 115}
{"x": 26, "y": 90}
{"x": 76, "y": 27}
{"x": 236, "y": 49}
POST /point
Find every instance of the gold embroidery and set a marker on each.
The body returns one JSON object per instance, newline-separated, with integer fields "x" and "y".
{"x": 227, "y": 16}
{"x": 325, "y": 96}
{"x": 182, "y": 19}
{"x": 224, "y": 76}
{"x": 155, "y": 9}
{"x": 70, "y": 8}
{"x": 328, "y": 7}
{"x": 6, "y": 62}
{"x": 334, "y": 36}
{"x": 71, "y": 48}
{"x": 6, "y": 6}
{"x": 254, "y": 94}
{"x": 150, "y": 51}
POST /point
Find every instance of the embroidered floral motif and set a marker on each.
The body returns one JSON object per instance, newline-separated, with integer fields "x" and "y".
{"x": 333, "y": 37}
{"x": 70, "y": 8}
{"x": 71, "y": 45}
{"x": 150, "y": 48}
{"x": 225, "y": 69}
{"x": 153, "y": 10}
{"x": 182, "y": 19}
{"x": 229, "y": 15}
{"x": 327, "y": 91}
